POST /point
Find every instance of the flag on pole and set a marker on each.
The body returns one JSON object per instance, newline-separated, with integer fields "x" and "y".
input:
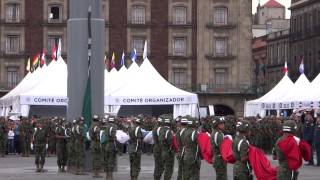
{"x": 122, "y": 58}
{"x": 285, "y": 68}
{"x": 86, "y": 107}
{"x": 59, "y": 49}
{"x": 112, "y": 62}
{"x": 36, "y": 61}
{"x": 301, "y": 67}
{"x": 54, "y": 52}
{"x": 134, "y": 55}
{"x": 43, "y": 58}
{"x": 105, "y": 61}
{"x": 145, "y": 50}
{"x": 28, "y": 67}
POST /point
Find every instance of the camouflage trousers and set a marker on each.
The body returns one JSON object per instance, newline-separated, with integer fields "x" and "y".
{"x": 62, "y": 154}
{"x": 158, "y": 163}
{"x": 241, "y": 171}
{"x": 221, "y": 168}
{"x": 71, "y": 154}
{"x": 191, "y": 170}
{"x": 40, "y": 154}
{"x": 135, "y": 163}
{"x": 180, "y": 167}
{"x": 2, "y": 146}
{"x": 25, "y": 145}
{"x": 284, "y": 173}
{"x": 317, "y": 147}
{"x": 79, "y": 154}
{"x": 96, "y": 155}
{"x": 109, "y": 159}
{"x": 168, "y": 159}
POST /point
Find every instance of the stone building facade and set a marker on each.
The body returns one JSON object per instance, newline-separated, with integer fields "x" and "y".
{"x": 200, "y": 46}
{"x": 305, "y": 37}
{"x": 259, "y": 57}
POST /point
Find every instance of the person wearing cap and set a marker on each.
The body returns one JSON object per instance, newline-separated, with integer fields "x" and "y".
{"x": 25, "y": 131}
{"x": 39, "y": 144}
{"x": 135, "y": 145}
{"x": 94, "y": 135}
{"x": 109, "y": 148}
{"x": 72, "y": 147}
{"x": 216, "y": 139}
{"x": 158, "y": 162}
{"x": 308, "y": 131}
{"x": 61, "y": 146}
{"x": 166, "y": 143}
{"x": 67, "y": 133}
{"x": 191, "y": 152}
{"x": 317, "y": 137}
{"x": 80, "y": 136}
{"x": 181, "y": 130}
{"x": 240, "y": 147}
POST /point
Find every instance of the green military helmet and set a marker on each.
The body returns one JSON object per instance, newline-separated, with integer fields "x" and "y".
{"x": 138, "y": 119}
{"x": 243, "y": 126}
{"x": 111, "y": 119}
{"x": 81, "y": 119}
{"x": 289, "y": 126}
{"x": 217, "y": 120}
{"x": 95, "y": 118}
{"x": 184, "y": 120}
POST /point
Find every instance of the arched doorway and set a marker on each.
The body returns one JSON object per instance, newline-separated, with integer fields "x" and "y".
{"x": 223, "y": 110}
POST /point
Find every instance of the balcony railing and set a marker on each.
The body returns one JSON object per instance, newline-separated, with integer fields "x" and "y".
{"x": 220, "y": 26}
{"x": 220, "y": 56}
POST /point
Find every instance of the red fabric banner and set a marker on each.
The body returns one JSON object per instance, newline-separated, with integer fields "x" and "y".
{"x": 205, "y": 147}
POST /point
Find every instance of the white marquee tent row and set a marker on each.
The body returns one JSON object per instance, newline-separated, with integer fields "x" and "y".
{"x": 287, "y": 95}
{"x": 143, "y": 85}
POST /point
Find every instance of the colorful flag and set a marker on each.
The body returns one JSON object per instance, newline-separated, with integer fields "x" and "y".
{"x": 123, "y": 58}
{"x": 112, "y": 62}
{"x": 106, "y": 62}
{"x": 28, "y": 67}
{"x": 59, "y": 49}
{"x": 36, "y": 61}
{"x": 301, "y": 67}
{"x": 43, "y": 58}
{"x": 54, "y": 52}
{"x": 134, "y": 55}
{"x": 145, "y": 50}
{"x": 285, "y": 68}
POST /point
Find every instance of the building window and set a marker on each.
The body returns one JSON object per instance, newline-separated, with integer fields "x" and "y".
{"x": 180, "y": 15}
{"x": 180, "y": 77}
{"x": 53, "y": 40}
{"x": 12, "y": 76}
{"x": 221, "y": 46}
{"x": 138, "y": 15}
{"x": 180, "y": 46}
{"x": 138, "y": 44}
{"x": 220, "y": 16}
{"x": 12, "y": 44}
{"x": 220, "y": 77}
{"x": 55, "y": 13}
{"x": 13, "y": 12}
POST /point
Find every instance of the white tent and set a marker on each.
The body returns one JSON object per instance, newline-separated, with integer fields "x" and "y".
{"x": 257, "y": 106}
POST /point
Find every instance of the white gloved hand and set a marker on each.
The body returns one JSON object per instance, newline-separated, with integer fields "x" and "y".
{"x": 31, "y": 146}
{"x": 46, "y": 146}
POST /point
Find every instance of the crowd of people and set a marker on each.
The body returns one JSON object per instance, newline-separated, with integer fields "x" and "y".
{"x": 172, "y": 139}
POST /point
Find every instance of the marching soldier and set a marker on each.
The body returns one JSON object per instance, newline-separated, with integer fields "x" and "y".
{"x": 80, "y": 135}
{"x": 68, "y": 132}
{"x": 191, "y": 152}
{"x": 3, "y": 137}
{"x": 40, "y": 145}
{"x": 94, "y": 134}
{"x": 135, "y": 145}
{"x": 158, "y": 162}
{"x": 308, "y": 132}
{"x": 110, "y": 147}
{"x": 181, "y": 129}
{"x": 216, "y": 139}
{"x": 240, "y": 147}
{"x": 166, "y": 143}
{"x": 317, "y": 138}
{"x": 61, "y": 146}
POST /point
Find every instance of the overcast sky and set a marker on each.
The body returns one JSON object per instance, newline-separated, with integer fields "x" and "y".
{"x": 262, "y": 2}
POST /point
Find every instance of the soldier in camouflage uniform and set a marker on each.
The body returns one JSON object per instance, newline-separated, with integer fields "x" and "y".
{"x": 3, "y": 137}
{"x": 240, "y": 147}
{"x": 158, "y": 162}
{"x": 181, "y": 129}
{"x": 94, "y": 134}
{"x": 135, "y": 145}
{"x": 166, "y": 142}
{"x": 80, "y": 135}
{"x": 50, "y": 126}
{"x": 110, "y": 147}
{"x": 216, "y": 139}
{"x": 68, "y": 126}
{"x": 190, "y": 154}
{"x": 40, "y": 145}
{"x": 25, "y": 134}
{"x": 61, "y": 146}
{"x": 284, "y": 173}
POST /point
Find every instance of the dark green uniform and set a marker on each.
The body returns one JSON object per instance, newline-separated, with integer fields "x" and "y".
{"x": 40, "y": 140}
{"x": 2, "y": 138}
{"x": 95, "y": 148}
{"x": 167, "y": 153}
{"x": 110, "y": 149}
{"x": 61, "y": 147}
{"x": 158, "y": 162}
{"x": 179, "y": 155}
{"x": 135, "y": 145}
{"x": 68, "y": 138}
{"x": 241, "y": 169}
{"x": 191, "y": 156}
{"x": 218, "y": 163}
{"x": 80, "y": 135}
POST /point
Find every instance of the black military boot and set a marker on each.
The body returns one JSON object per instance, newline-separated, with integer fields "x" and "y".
{"x": 37, "y": 170}
{"x": 63, "y": 169}
{"x": 41, "y": 168}
{"x": 59, "y": 169}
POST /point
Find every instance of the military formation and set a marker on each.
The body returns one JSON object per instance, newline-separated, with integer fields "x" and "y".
{"x": 173, "y": 139}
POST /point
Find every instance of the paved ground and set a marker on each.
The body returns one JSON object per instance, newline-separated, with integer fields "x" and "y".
{"x": 22, "y": 168}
